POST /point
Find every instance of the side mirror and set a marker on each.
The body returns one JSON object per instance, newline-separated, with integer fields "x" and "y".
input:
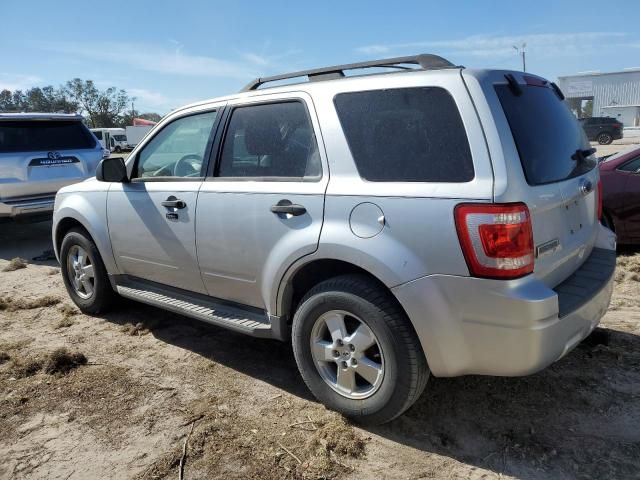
{"x": 112, "y": 169}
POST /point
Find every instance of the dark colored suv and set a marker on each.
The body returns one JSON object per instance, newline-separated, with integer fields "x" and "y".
{"x": 603, "y": 130}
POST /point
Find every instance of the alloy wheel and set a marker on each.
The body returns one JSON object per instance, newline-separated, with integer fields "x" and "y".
{"x": 80, "y": 272}
{"x": 605, "y": 139}
{"x": 347, "y": 354}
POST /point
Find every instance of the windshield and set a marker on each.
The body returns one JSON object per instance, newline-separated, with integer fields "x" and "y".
{"x": 38, "y": 135}
{"x": 551, "y": 143}
{"x": 120, "y": 138}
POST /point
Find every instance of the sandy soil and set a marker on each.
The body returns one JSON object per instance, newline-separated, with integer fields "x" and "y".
{"x": 151, "y": 380}
{"x": 615, "y": 147}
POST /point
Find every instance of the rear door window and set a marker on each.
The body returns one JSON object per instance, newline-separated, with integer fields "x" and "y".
{"x": 546, "y": 134}
{"x": 406, "y": 135}
{"x": 38, "y": 135}
{"x": 273, "y": 141}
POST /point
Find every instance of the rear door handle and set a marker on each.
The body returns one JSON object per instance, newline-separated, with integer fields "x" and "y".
{"x": 286, "y": 207}
{"x": 173, "y": 202}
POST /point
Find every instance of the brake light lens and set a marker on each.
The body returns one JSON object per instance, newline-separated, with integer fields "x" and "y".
{"x": 599, "y": 200}
{"x": 535, "y": 81}
{"x": 496, "y": 239}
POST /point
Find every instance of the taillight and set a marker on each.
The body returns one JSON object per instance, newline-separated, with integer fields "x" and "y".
{"x": 599, "y": 199}
{"x": 496, "y": 239}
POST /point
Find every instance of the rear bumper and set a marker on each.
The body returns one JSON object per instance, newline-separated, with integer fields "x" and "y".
{"x": 508, "y": 328}
{"x": 23, "y": 207}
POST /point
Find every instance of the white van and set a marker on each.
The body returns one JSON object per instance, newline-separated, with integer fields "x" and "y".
{"x": 136, "y": 133}
{"x": 113, "y": 139}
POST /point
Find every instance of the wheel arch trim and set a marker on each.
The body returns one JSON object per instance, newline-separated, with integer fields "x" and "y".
{"x": 86, "y": 215}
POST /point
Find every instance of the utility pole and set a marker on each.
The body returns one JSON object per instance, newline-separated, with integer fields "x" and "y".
{"x": 521, "y": 51}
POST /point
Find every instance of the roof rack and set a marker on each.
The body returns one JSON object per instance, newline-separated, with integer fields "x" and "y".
{"x": 425, "y": 61}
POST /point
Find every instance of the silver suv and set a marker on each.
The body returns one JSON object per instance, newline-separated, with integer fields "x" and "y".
{"x": 40, "y": 153}
{"x": 432, "y": 220}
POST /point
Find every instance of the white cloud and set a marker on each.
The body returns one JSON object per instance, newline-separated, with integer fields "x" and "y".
{"x": 154, "y": 58}
{"x": 149, "y": 100}
{"x": 269, "y": 61}
{"x": 10, "y": 81}
{"x": 256, "y": 59}
{"x": 492, "y": 46}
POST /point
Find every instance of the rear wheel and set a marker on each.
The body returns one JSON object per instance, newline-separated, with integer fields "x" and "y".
{"x": 357, "y": 351}
{"x": 84, "y": 274}
{"x": 605, "y": 138}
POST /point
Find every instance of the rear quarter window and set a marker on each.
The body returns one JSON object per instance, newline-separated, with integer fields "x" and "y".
{"x": 546, "y": 133}
{"x": 38, "y": 135}
{"x": 406, "y": 135}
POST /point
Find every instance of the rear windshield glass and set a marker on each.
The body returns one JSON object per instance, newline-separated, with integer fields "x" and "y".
{"x": 406, "y": 135}
{"x": 546, "y": 134}
{"x": 30, "y": 136}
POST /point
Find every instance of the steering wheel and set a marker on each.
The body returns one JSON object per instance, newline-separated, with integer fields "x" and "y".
{"x": 188, "y": 166}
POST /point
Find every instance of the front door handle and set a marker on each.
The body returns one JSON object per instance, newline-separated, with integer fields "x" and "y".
{"x": 173, "y": 202}
{"x": 286, "y": 207}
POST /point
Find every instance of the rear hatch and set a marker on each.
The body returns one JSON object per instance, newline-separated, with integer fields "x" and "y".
{"x": 550, "y": 166}
{"x": 40, "y": 156}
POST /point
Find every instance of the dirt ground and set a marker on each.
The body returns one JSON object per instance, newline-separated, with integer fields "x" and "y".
{"x": 132, "y": 386}
{"x": 615, "y": 147}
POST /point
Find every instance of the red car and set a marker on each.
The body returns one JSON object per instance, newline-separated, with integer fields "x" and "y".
{"x": 620, "y": 175}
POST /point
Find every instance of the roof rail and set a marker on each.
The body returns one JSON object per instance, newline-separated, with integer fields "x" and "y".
{"x": 425, "y": 61}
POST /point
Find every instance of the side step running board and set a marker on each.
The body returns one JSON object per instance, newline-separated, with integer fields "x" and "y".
{"x": 222, "y": 315}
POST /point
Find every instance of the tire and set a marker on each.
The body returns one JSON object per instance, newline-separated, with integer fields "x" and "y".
{"x": 605, "y": 138}
{"x": 404, "y": 371}
{"x": 118, "y": 149}
{"x": 101, "y": 296}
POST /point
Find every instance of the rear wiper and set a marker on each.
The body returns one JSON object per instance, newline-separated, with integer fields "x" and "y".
{"x": 514, "y": 86}
{"x": 581, "y": 154}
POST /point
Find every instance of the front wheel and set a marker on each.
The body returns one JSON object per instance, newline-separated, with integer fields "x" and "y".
{"x": 118, "y": 149}
{"x": 84, "y": 274}
{"x": 605, "y": 139}
{"x": 357, "y": 351}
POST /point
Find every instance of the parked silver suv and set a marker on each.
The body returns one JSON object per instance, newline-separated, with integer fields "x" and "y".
{"x": 40, "y": 153}
{"x": 435, "y": 220}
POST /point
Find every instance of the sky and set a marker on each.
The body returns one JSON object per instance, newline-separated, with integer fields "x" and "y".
{"x": 169, "y": 53}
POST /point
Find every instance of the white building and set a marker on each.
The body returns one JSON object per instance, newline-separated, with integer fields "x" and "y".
{"x": 613, "y": 94}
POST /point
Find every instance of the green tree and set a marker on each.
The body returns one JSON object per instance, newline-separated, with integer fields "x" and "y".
{"x": 103, "y": 107}
{"x": 587, "y": 108}
{"x": 49, "y": 99}
{"x": 46, "y": 99}
{"x": 6, "y": 101}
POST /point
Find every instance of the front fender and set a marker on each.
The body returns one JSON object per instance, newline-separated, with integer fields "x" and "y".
{"x": 90, "y": 210}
